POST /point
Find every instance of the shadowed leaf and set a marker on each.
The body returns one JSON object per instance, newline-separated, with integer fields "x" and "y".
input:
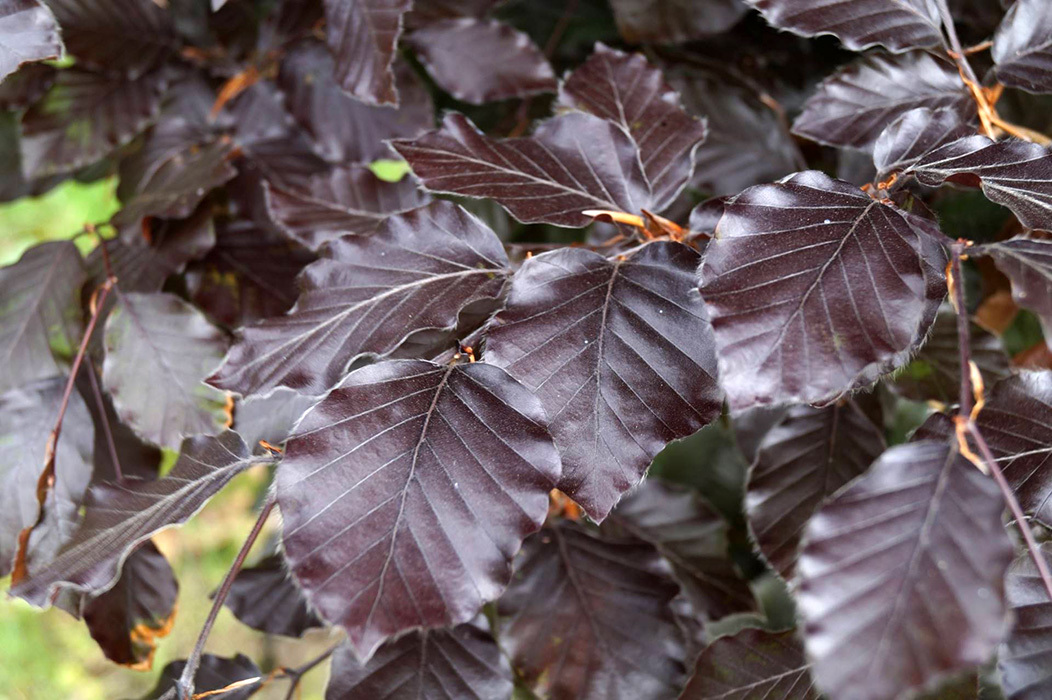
{"x": 116, "y": 35}
{"x": 814, "y": 289}
{"x": 587, "y": 617}
{"x": 674, "y": 21}
{"x": 914, "y": 135}
{"x": 214, "y": 673}
{"x": 26, "y": 85}
{"x": 265, "y": 598}
{"x": 753, "y": 663}
{"x": 1023, "y": 46}
{"x": 914, "y": 546}
{"x": 619, "y": 353}
{"x": 159, "y": 349}
{"x": 28, "y": 32}
{"x": 1027, "y": 261}
{"x": 435, "y": 260}
{"x": 482, "y": 60}
{"x": 403, "y": 505}
{"x": 801, "y": 462}
{"x": 363, "y": 35}
{"x": 1023, "y": 660}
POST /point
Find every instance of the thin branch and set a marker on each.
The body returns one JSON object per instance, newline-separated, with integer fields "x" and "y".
{"x": 185, "y": 685}
{"x": 296, "y": 674}
{"x": 959, "y": 54}
{"x": 956, "y": 284}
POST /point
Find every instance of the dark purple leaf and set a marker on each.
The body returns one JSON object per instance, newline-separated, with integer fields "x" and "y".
{"x": 40, "y": 320}
{"x": 586, "y": 617}
{"x": 854, "y": 105}
{"x": 84, "y": 116}
{"x": 934, "y": 373}
{"x": 674, "y": 21}
{"x": 1023, "y": 46}
{"x": 753, "y": 663}
{"x": 571, "y": 163}
{"x": 814, "y": 289}
{"x": 435, "y": 260}
{"x": 620, "y": 354}
{"x": 803, "y": 461}
{"x": 901, "y": 577}
{"x": 914, "y": 135}
{"x": 363, "y": 35}
{"x": 406, "y": 492}
{"x": 214, "y": 673}
{"x": 265, "y": 598}
{"x": 1017, "y": 174}
{"x": 115, "y": 35}
{"x": 28, "y": 32}
{"x": 898, "y": 25}
{"x": 628, "y": 91}
{"x": 427, "y": 11}
{"x": 27, "y": 416}
{"x": 482, "y": 60}
{"x": 455, "y": 664}
{"x": 120, "y": 515}
{"x": 271, "y": 417}
{"x": 127, "y": 619}
{"x": 345, "y": 130}
{"x": 692, "y": 537}
{"x": 751, "y": 427}
{"x": 115, "y": 443}
{"x": 159, "y": 349}
{"x": 1027, "y": 261}
{"x": 344, "y": 200}
{"x": 705, "y": 217}
{"x": 1023, "y": 660}
{"x": 1017, "y": 423}
{"x": 26, "y": 85}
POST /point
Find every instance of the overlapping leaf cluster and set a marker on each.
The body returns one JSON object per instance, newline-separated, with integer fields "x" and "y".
{"x": 460, "y": 377}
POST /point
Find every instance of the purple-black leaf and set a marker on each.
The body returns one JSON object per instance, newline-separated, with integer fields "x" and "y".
{"x": 270, "y": 418}
{"x": 406, "y": 492}
{"x": 853, "y": 106}
{"x": 214, "y": 673}
{"x": 692, "y": 538}
{"x": 1023, "y": 46}
{"x": 26, "y": 85}
{"x": 753, "y": 663}
{"x": 1027, "y": 261}
{"x": 363, "y": 35}
{"x": 899, "y": 25}
{"x": 341, "y": 201}
{"x": 120, "y": 515}
{"x": 159, "y": 349}
{"x": 571, "y": 163}
{"x": 914, "y": 135}
{"x": 674, "y": 21}
{"x": 913, "y": 546}
{"x": 627, "y": 90}
{"x": 621, "y": 355}
{"x": 1023, "y": 660}
{"x": 814, "y": 289}
{"x": 28, "y": 32}
{"x": 127, "y": 619}
{"x": 586, "y": 617}
{"x": 124, "y": 36}
{"x": 802, "y": 461}
{"x": 27, "y": 416}
{"x": 482, "y": 60}
{"x": 265, "y": 598}
{"x": 1015, "y": 173}
{"x": 84, "y": 116}
{"x": 435, "y": 260}
{"x": 454, "y": 664}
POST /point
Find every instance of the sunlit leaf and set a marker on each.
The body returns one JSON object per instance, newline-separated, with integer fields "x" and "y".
{"x": 619, "y": 352}
{"x": 753, "y": 663}
{"x": 915, "y": 134}
{"x": 28, "y": 32}
{"x": 1023, "y": 46}
{"x": 406, "y": 492}
{"x": 265, "y": 598}
{"x": 1025, "y": 658}
{"x": 586, "y": 617}
{"x": 363, "y": 35}
{"x": 1027, "y": 260}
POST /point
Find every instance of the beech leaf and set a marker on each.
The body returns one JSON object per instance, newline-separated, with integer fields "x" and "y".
{"x": 1023, "y": 46}
{"x": 1023, "y": 659}
{"x": 1027, "y": 261}
{"x": 814, "y": 289}
{"x": 265, "y": 598}
{"x": 159, "y": 349}
{"x": 589, "y": 617}
{"x": 436, "y": 260}
{"x": 801, "y": 462}
{"x": 214, "y": 673}
{"x": 571, "y": 163}
{"x": 363, "y": 35}
{"x": 914, "y": 135}
{"x": 482, "y": 60}
{"x": 620, "y": 354}
{"x": 914, "y": 545}
{"x": 753, "y": 663}
{"x": 463, "y": 662}
{"x": 403, "y": 504}
{"x": 119, "y": 516}
{"x": 627, "y": 90}
{"x": 125, "y": 36}
{"x": 674, "y": 21}
{"x": 28, "y": 32}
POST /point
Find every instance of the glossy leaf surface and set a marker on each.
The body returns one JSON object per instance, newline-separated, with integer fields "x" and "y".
{"x": 363, "y": 35}
{"x": 1027, "y": 260}
{"x": 1023, "y": 660}
{"x": 587, "y": 617}
{"x": 437, "y": 259}
{"x": 116, "y": 35}
{"x": 915, "y": 545}
{"x": 620, "y": 354}
{"x": 915, "y": 134}
{"x": 813, "y": 288}
{"x": 266, "y": 598}
{"x": 1023, "y": 46}
{"x": 802, "y": 461}
{"x": 28, "y": 32}
{"x": 752, "y": 664}
{"x": 403, "y": 505}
